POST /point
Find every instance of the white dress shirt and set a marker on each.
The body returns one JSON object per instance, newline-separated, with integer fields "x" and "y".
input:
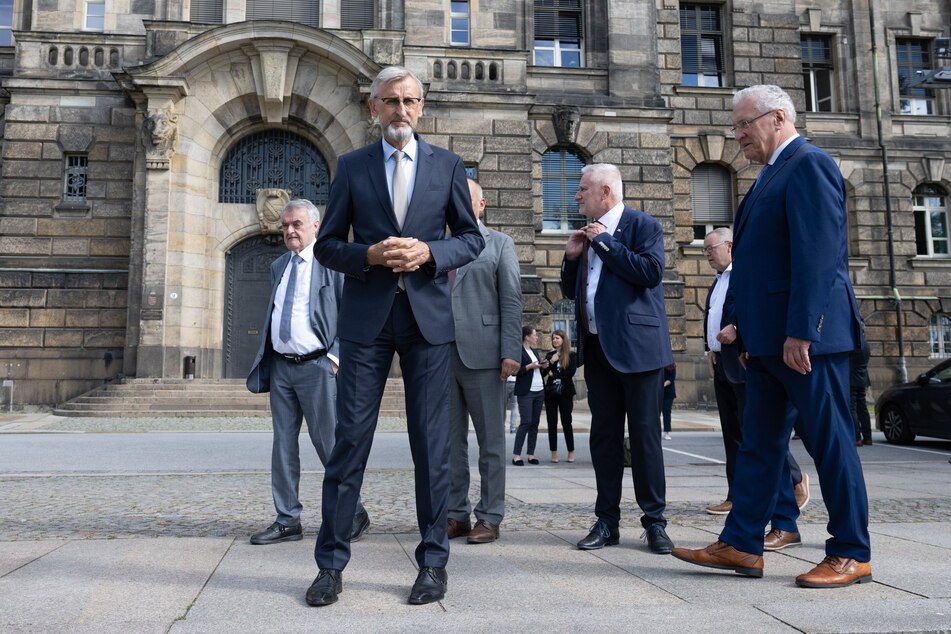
{"x": 610, "y": 221}
{"x": 537, "y": 383}
{"x": 715, "y": 314}
{"x": 303, "y": 338}
{"x": 408, "y": 165}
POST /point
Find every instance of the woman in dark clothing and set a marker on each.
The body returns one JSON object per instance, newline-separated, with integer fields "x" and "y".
{"x": 670, "y": 393}
{"x": 531, "y": 395}
{"x": 559, "y": 393}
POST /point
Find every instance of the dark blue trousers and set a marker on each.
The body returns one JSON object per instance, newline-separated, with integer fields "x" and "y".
{"x": 360, "y": 384}
{"x": 822, "y": 398}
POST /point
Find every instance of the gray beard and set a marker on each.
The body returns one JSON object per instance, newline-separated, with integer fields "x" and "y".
{"x": 400, "y": 134}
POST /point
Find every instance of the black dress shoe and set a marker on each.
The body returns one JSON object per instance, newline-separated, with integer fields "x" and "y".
{"x": 657, "y": 539}
{"x": 276, "y": 533}
{"x": 326, "y": 587}
{"x": 430, "y": 586}
{"x": 599, "y": 537}
{"x": 361, "y": 523}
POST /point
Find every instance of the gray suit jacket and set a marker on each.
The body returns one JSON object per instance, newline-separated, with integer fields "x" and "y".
{"x": 326, "y": 287}
{"x": 487, "y": 305}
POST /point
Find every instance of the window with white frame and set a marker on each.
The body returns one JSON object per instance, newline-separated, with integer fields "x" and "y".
{"x": 913, "y": 57}
{"x": 6, "y": 22}
{"x": 206, "y": 11}
{"x": 558, "y": 33}
{"x": 817, "y": 72}
{"x": 459, "y": 23}
{"x": 300, "y": 11}
{"x": 357, "y": 14}
{"x": 932, "y": 236}
{"x": 711, "y": 197}
{"x": 561, "y": 175}
{"x": 563, "y": 318}
{"x": 74, "y": 178}
{"x": 939, "y": 332}
{"x": 95, "y": 15}
{"x": 701, "y": 45}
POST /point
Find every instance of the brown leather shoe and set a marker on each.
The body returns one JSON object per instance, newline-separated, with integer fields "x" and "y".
{"x": 801, "y": 491}
{"x": 777, "y": 539}
{"x": 722, "y": 555}
{"x": 458, "y": 529}
{"x": 483, "y": 533}
{"x": 836, "y": 572}
{"x": 720, "y": 509}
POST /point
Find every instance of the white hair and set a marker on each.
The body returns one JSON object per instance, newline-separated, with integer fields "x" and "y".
{"x": 606, "y": 174}
{"x": 391, "y": 74}
{"x": 725, "y": 234}
{"x": 306, "y": 205}
{"x": 768, "y": 97}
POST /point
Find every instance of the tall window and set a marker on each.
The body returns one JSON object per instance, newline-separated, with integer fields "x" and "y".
{"x": 939, "y": 332}
{"x": 357, "y": 14}
{"x": 558, "y": 33}
{"x": 206, "y": 11}
{"x": 914, "y": 59}
{"x": 6, "y": 22}
{"x": 711, "y": 196}
{"x": 300, "y": 11}
{"x": 95, "y": 15}
{"x": 817, "y": 72}
{"x": 561, "y": 175}
{"x": 74, "y": 179}
{"x": 563, "y": 318}
{"x": 701, "y": 45}
{"x": 932, "y": 237}
{"x": 459, "y": 23}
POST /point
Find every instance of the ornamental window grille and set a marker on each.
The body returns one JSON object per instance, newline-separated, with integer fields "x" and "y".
{"x": 561, "y": 176}
{"x": 275, "y": 159}
{"x": 74, "y": 181}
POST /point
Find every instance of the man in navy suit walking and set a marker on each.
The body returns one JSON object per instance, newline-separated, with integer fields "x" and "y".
{"x": 397, "y": 197}
{"x": 797, "y": 318}
{"x": 613, "y": 268}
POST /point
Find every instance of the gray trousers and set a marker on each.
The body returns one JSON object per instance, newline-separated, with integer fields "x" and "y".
{"x": 481, "y": 395}
{"x": 306, "y": 391}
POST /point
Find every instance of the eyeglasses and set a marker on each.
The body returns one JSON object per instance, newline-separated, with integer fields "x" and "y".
{"x": 708, "y": 250}
{"x": 746, "y": 124}
{"x": 394, "y": 102}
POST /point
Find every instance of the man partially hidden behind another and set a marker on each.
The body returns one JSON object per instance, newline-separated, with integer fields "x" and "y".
{"x": 613, "y": 269}
{"x": 487, "y": 310}
{"x": 397, "y": 197}
{"x": 798, "y": 321}
{"x": 296, "y": 362}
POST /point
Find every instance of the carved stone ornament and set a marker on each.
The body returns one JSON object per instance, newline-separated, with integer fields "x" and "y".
{"x": 161, "y": 131}
{"x": 565, "y": 120}
{"x": 269, "y": 205}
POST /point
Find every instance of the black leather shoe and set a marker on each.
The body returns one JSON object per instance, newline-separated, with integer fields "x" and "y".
{"x": 657, "y": 539}
{"x": 430, "y": 586}
{"x": 326, "y": 587}
{"x": 361, "y": 523}
{"x": 277, "y": 533}
{"x": 599, "y": 537}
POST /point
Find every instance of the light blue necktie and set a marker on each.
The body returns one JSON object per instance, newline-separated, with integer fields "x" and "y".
{"x": 288, "y": 309}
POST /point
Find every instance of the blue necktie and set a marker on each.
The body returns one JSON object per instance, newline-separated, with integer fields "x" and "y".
{"x": 288, "y": 309}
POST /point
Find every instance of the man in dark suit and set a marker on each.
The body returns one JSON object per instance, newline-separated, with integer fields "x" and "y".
{"x": 296, "y": 362}
{"x": 798, "y": 319}
{"x": 613, "y": 268}
{"x": 487, "y": 311}
{"x": 397, "y": 197}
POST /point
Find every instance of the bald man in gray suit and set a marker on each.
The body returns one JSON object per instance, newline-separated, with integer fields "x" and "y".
{"x": 487, "y": 311}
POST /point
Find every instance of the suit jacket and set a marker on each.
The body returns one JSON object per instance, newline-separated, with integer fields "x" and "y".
{"x": 790, "y": 272}
{"x": 360, "y": 202}
{"x": 487, "y": 305}
{"x": 566, "y": 374}
{"x": 326, "y": 288}
{"x": 523, "y": 380}
{"x": 729, "y": 353}
{"x": 629, "y": 301}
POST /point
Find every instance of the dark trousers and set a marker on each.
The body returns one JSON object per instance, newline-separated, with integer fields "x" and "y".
{"x": 666, "y": 411}
{"x": 731, "y": 400}
{"x": 860, "y": 418}
{"x": 529, "y": 415}
{"x": 360, "y": 383}
{"x": 553, "y": 405}
{"x": 612, "y": 397}
{"x": 822, "y": 398}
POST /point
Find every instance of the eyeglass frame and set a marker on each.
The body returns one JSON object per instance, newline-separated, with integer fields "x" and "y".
{"x": 708, "y": 250}
{"x": 396, "y": 102}
{"x": 746, "y": 124}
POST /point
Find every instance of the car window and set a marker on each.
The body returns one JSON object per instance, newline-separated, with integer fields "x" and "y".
{"x": 944, "y": 375}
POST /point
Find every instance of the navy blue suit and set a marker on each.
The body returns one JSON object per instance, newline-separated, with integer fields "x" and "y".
{"x": 377, "y": 319}
{"x": 790, "y": 278}
{"x": 623, "y": 363}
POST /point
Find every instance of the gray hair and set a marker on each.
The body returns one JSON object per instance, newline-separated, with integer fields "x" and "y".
{"x": 478, "y": 187}
{"x": 606, "y": 174}
{"x": 725, "y": 234}
{"x": 391, "y": 74}
{"x": 768, "y": 97}
{"x": 302, "y": 203}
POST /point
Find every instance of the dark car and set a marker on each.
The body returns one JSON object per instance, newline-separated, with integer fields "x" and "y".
{"x": 920, "y": 407}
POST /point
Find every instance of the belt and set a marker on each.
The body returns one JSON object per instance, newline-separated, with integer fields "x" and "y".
{"x": 301, "y": 358}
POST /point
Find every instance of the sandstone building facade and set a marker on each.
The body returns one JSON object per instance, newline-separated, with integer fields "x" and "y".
{"x": 147, "y": 143}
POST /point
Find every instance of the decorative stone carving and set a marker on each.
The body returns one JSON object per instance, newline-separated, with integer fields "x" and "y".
{"x": 161, "y": 129}
{"x": 269, "y": 205}
{"x": 565, "y": 120}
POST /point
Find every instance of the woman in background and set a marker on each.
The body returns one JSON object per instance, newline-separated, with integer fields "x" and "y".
{"x": 670, "y": 393}
{"x": 560, "y": 394}
{"x": 531, "y": 396}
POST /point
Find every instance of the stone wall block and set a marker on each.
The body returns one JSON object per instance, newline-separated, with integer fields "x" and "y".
{"x": 515, "y": 198}
{"x": 66, "y": 298}
{"x": 60, "y": 338}
{"x": 74, "y": 138}
{"x": 470, "y": 148}
{"x": 511, "y": 128}
{"x": 30, "y": 298}
{"x": 515, "y": 163}
{"x": 22, "y": 150}
{"x": 71, "y": 246}
{"x": 14, "y": 317}
{"x": 110, "y": 247}
{"x": 50, "y": 317}
{"x": 17, "y": 226}
{"x": 24, "y": 246}
{"x": 82, "y": 318}
{"x": 21, "y": 337}
{"x": 103, "y": 338}
{"x": 32, "y": 169}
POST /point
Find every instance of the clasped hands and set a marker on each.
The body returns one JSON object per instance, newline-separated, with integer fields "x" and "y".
{"x": 403, "y": 255}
